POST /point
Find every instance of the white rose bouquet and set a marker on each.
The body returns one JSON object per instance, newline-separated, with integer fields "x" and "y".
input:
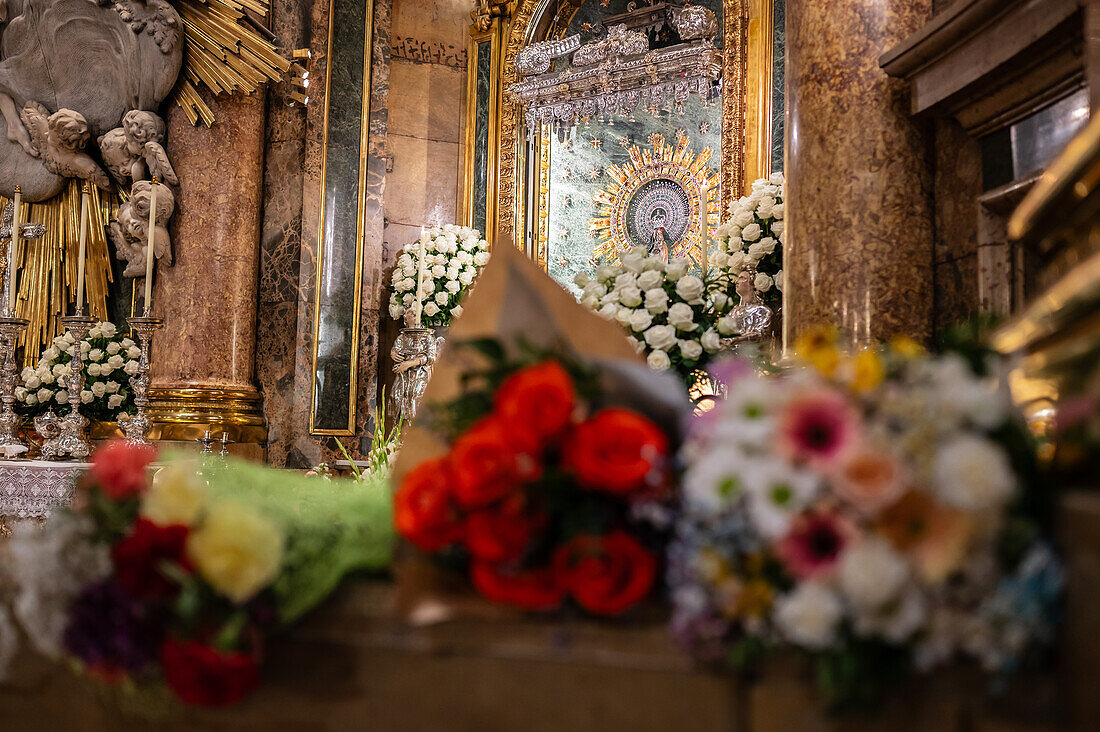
{"x": 754, "y": 235}
{"x": 453, "y": 258}
{"x": 880, "y": 512}
{"x": 110, "y": 359}
{"x": 667, "y": 311}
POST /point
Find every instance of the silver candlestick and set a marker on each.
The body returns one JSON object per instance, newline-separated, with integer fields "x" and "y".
{"x": 72, "y": 441}
{"x": 136, "y": 428}
{"x": 10, "y": 329}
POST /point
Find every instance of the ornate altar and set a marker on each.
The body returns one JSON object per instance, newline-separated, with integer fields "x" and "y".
{"x": 607, "y": 124}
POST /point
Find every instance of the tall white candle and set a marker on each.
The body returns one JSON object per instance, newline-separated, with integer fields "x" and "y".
{"x": 704, "y": 232}
{"x": 420, "y": 281}
{"x": 150, "y": 254}
{"x": 85, "y": 202}
{"x": 13, "y": 249}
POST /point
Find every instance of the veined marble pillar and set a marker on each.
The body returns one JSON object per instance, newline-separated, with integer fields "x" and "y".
{"x": 203, "y": 359}
{"x": 860, "y": 237}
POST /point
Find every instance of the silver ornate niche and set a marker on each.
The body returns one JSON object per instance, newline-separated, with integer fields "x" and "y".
{"x": 619, "y": 71}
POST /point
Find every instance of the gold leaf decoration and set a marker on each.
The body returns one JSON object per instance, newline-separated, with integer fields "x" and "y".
{"x": 225, "y": 51}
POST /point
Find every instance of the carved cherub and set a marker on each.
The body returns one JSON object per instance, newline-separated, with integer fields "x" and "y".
{"x": 166, "y": 206}
{"x": 59, "y": 141}
{"x": 128, "y": 235}
{"x": 134, "y": 150}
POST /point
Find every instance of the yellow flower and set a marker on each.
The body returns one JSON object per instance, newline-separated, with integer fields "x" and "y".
{"x": 176, "y": 496}
{"x": 906, "y": 347}
{"x": 867, "y": 371}
{"x": 236, "y": 550}
{"x": 755, "y": 598}
{"x": 818, "y": 347}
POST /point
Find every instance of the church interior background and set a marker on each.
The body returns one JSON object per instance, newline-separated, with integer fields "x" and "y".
{"x": 247, "y": 190}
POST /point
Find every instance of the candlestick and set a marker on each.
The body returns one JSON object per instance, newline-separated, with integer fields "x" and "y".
{"x": 72, "y": 441}
{"x": 420, "y": 282}
{"x": 85, "y": 202}
{"x": 13, "y": 249}
{"x": 136, "y": 428}
{"x": 704, "y": 233}
{"x": 150, "y": 257}
{"x": 10, "y": 328}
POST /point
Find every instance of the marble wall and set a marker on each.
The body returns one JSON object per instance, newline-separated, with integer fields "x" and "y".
{"x": 957, "y": 186}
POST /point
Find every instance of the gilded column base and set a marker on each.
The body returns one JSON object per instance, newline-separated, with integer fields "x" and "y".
{"x": 185, "y": 414}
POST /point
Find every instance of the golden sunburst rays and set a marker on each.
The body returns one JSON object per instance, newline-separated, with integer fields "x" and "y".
{"x": 225, "y": 51}
{"x": 676, "y": 163}
{"x": 47, "y": 267}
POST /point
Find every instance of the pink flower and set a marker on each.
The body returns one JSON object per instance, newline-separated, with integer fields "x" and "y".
{"x": 819, "y": 426}
{"x": 870, "y": 480}
{"x": 815, "y": 542}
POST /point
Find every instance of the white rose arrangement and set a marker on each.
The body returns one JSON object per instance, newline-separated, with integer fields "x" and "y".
{"x": 110, "y": 359}
{"x": 754, "y": 235}
{"x": 668, "y": 312}
{"x": 453, "y": 258}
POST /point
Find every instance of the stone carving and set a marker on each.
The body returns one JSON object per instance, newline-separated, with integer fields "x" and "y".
{"x": 694, "y": 22}
{"x": 134, "y": 150}
{"x": 59, "y": 140}
{"x": 130, "y": 231}
{"x": 536, "y": 58}
{"x": 93, "y": 60}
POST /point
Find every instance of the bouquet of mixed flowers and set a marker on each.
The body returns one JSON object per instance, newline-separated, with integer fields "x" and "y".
{"x": 110, "y": 359}
{"x": 542, "y": 493}
{"x": 754, "y": 237}
{"x": 453, "y": 258}
{"x": 671, "y": 315}
{"x": 876, "y": 511}
{"x": 182, "y": 578}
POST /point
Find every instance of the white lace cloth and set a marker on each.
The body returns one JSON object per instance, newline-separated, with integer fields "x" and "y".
{"x": 33, "y": 488}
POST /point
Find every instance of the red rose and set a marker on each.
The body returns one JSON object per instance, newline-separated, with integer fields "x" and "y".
{"x": 139, "y": 559}
{"x": 203, "y": 676}
{"x": 537, "y": 401}
{"x": 615, "y": 451}
{"x": 489, "y": 462}
{"x": 606, "y": 575}
{"x": 501, "y": 533}
{"x": 532, "y": 589}
{"x": 423, "y": 511}
{"x": 119, "y": 469}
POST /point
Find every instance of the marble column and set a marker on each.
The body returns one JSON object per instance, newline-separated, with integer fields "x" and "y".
{"x": 860, "y": 224}
{"x": 203, "y": 360}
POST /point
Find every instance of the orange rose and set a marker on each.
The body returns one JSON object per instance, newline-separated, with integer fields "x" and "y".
{"x": 533, "y": 589}
{"x": 615, "y": 451}
{"x": 606, "y": 575}
{"x": 538, "y": 401}
{"x": 487, "y": 464}
{"x": 423, "y": 511}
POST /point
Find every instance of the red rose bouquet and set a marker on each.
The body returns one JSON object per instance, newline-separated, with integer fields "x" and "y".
{"x": 181, "y": 575}
{"x": 539, "y": 496}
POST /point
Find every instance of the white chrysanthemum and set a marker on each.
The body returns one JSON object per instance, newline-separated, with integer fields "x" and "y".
{"x": 895, "y": 621}
{"x": 810, "y": 615}
{"x": 713, "y": 482}
{"x": 777, "y": 492}
{"x": 973, "y": 473}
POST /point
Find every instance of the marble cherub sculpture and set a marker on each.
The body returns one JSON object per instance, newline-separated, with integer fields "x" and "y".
{"x": 751, "y": 318}
{"x": 130, "y": 231}
{"x": 135, "y": 150}
{"x": 59, "y": 140}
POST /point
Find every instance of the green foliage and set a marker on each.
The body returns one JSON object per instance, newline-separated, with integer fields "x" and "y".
{"x": 853, "y": 675}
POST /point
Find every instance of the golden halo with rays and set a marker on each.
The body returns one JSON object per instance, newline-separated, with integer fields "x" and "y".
{"x": 661, "y": 161}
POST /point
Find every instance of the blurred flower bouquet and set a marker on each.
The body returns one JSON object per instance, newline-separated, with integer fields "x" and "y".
{"x": 670, "y": 314}
{"x": 183, "y": 578}
{"x": 874, "y": 511}
{"x": 540, "y": 496}
{"x": 110, "y": 359}
{"x": 753, "y": 236}
{"x": 453, "y": 258}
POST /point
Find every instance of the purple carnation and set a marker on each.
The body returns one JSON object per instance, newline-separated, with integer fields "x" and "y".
{"x": 111, "y": 631}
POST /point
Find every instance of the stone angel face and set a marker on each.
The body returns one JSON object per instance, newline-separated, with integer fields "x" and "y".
{"x": 128, "y": 235}
{"x": 140, "y": 197}
{"x": 134, "y": 151}
{"x": 59, "y": 140}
